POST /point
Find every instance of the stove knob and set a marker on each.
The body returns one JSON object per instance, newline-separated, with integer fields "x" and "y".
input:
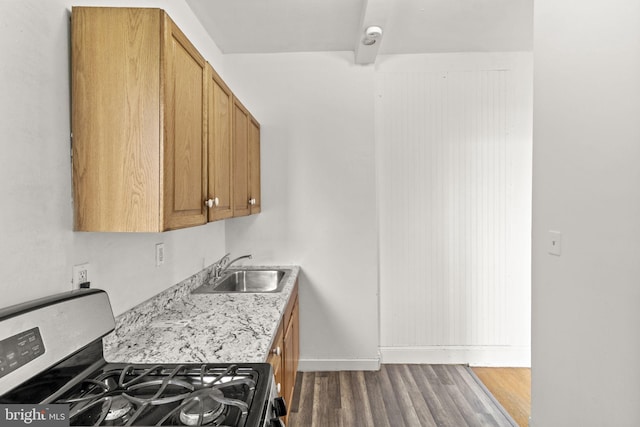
{"x": 279, "y": 407}
{"x": 275, "y": 422}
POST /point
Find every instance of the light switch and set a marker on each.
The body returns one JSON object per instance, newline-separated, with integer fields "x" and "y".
{"x": 554, "y": 242}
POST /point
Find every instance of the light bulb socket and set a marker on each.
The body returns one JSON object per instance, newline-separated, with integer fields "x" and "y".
{"x": 373, "y": 32}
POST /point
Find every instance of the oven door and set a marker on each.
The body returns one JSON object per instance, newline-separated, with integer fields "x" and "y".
{"x": 274, "y": 408}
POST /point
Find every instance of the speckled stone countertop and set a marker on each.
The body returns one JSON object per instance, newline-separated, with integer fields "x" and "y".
{"x": 177, "y": 326}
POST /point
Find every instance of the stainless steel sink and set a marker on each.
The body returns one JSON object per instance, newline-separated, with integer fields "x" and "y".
{"x": 246, "y": 281}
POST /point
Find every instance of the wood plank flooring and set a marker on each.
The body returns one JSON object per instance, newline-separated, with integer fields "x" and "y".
{"x": 512, "y": 388}
{"x": 397, "y": 395}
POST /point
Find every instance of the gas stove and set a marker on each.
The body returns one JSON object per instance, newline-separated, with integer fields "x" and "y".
{"x": 51, "y": 353}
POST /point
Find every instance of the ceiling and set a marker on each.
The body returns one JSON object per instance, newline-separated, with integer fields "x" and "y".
{"x": 409, "y": 26}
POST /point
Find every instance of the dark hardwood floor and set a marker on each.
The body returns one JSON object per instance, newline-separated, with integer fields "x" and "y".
{"x": 397, "y": 395}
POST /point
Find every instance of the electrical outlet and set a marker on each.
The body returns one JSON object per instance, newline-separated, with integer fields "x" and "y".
{"x": 80, "y": 275}
{"x": 159, "y": 254}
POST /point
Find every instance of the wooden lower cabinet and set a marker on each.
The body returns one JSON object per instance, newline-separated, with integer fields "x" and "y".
{"x": 275, "y": 358}
{"x": 290, "y": 357}
{"x": 285, "y": 351}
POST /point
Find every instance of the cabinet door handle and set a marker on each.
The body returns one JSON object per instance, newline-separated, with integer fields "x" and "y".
{"x": 209, "y": 203}
{"x": 216, "y": 201}
{"x": 278, "y": 387}
{"x": 277, "y": 351}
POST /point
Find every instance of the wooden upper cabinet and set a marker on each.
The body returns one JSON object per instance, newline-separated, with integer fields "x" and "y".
{"x": 246, "y": 162}
{"x": 185, "y": 138}
{"x": 220, "y": 160}
{"x": 241, "y": 120}
{"x": 138, "y": 122}
{"x": 254, "y": 166}
{"x": 159, "y": 140}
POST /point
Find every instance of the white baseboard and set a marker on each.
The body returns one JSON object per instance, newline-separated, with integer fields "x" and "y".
{"x": 318, "y": 365}
{"x": 511, "y": 356}
{"x": 506, "y": 356}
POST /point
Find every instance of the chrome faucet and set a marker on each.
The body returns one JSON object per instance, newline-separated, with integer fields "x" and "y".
{"x": 217, "y": 267}
{"x": 224, "y": 264}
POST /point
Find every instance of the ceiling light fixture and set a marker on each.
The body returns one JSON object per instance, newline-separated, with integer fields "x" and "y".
{"x": 372, "y": 34}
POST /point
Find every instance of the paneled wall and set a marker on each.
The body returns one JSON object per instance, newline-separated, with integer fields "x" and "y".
{"x": 453, "y": 141}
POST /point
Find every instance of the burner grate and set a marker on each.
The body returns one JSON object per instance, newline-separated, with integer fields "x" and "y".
{"x": 158, "y": 395}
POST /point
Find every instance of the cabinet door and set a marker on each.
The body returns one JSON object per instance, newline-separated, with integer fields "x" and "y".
{"x": 240, "y": 159}
{"x": 220, "y": 111}
{"x": 291, "y": 354}
{"x": 116, "y": 119}
{"x": 295, "y": 322}
{"x": 185, "y": 176}
{"x": 275, "y": 360}
{"x": 254, "y": 166}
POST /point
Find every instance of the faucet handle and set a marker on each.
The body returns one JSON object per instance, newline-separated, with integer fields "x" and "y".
{"x": 219, "y": 265}
{"x": 225, "y": 259}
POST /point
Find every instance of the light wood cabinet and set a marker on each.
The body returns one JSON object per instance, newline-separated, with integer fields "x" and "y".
{"x": 159, "y": 140}
{"x": 246, "y": 162}
{"x": 138, "y": 122}
{"x": 275, "y": 358}
{"x": 291, "y": 354}
{"x": 254, "y": 167}
{"x": 220, "y": 159}
{"x": 185, "y": 138}
{"x": 240, "y": 159}
{"x": 285, "y": 351}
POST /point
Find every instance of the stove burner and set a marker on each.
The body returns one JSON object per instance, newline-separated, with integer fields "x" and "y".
{"x": 203, "y": 407}
{"x": 180, "y": 395}
{"x": 101, "y": 393}
{"x": 119, "y": 408}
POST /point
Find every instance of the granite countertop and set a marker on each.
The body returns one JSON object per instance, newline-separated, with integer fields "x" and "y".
{"x": 177, "y": 326}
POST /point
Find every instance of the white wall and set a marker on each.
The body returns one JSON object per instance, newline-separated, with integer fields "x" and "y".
{"x": 37, "y": 246}
{"x": 319, "y": 208}
{"x": 318, "y": 189}
{"x": 319, "y": 120}
{"x": 585, "y": 339}
{"x": 453, "y": 141}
